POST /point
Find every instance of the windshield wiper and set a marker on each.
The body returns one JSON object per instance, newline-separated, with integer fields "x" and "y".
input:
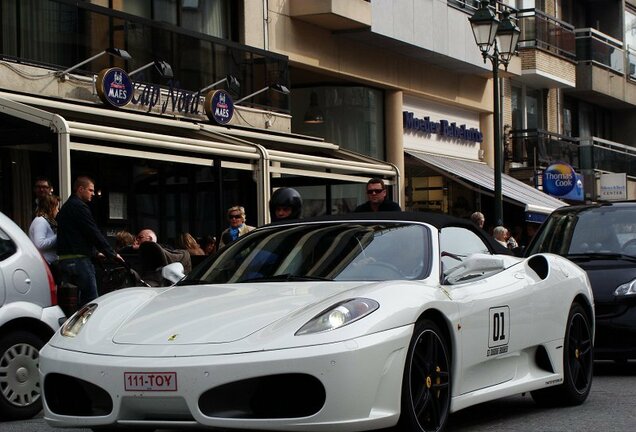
{"x": 287, "y": 277}
{"x": 601, "y": 255}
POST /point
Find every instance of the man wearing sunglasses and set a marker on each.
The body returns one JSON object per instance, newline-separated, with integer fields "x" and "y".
{"x": 376, "y": 192}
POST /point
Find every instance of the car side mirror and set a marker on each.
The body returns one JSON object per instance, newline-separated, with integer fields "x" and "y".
{"x": 173, "y": 272}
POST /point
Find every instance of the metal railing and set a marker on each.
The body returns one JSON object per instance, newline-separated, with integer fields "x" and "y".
{"x": 599, "y": 48}
{"x": 603, "y": 155}
{"x": 539, "y": 30}
{"x": 538, "y": 148}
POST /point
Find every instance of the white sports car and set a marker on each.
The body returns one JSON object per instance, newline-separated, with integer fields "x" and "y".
{"x": 348, "y": 324}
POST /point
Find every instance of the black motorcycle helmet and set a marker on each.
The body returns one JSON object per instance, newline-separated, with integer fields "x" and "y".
{"x": 286, "y": 197}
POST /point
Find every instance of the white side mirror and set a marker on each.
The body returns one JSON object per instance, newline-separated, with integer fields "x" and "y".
{"x": 173, "y": 272}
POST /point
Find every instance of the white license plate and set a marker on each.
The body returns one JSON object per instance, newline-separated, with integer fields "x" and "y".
{"x": 150, "y": 381}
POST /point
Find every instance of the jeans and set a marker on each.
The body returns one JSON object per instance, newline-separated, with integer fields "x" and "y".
{"x": 80, "y": 272}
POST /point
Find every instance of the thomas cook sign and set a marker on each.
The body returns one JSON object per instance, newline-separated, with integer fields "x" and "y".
{"x": 559, "y": 179}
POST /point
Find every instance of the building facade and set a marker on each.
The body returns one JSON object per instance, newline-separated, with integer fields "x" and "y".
{"x": 395, "y": 89}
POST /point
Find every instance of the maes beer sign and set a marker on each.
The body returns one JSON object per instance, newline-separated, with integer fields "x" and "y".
{"x": 219, "y": 106}
{"x": 114, "y": 87}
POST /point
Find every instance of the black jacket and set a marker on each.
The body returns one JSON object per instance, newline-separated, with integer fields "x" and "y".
{"x": 77, "y": 232}
{"x": 386, "y": 205}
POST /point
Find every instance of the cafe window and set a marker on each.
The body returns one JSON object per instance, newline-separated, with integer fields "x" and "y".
{"x": 351, "y": 116}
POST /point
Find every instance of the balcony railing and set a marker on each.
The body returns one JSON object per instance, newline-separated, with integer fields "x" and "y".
{"x": 535, "y": 148}
{"x": 539, "y": 148}
{"x": 599, "y": 48}
{"x": 542, "y": 31}
{"x": 607, "y": 156}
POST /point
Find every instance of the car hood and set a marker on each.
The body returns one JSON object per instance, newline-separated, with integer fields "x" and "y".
{"x": 216, "y": 314}
{"x": 607, "y": 275}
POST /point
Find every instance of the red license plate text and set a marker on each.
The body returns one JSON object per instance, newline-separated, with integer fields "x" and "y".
{"x": 150, "y": 381}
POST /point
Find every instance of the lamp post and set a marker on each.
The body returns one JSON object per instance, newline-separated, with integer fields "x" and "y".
{"x": 497, "y": 41}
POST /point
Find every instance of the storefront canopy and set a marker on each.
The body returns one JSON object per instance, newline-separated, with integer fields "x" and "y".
{"x": 479, "y": 174}
{"x": 90, "y": 128}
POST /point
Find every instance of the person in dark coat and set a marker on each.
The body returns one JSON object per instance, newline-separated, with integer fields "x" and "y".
{"x": 376, "y": 191}
{"x": 79, "y": 239}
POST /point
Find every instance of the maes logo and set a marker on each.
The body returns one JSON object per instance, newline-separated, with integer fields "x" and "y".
{"x": 219, "y": 106}
{"x": 114, "y": 87}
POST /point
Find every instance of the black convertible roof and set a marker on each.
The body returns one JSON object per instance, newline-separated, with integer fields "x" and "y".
{"x": 438, "y": 220}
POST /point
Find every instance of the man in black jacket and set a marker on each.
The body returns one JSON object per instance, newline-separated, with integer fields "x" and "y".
{"x": 78, "y": 238}
{"x": 376, "y": 191}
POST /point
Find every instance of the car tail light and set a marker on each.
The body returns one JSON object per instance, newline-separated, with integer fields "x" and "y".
{"x": 52, "y": 286}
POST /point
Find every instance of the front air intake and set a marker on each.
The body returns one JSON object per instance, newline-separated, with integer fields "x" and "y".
{"x": 273, "y": 396}
{"x": 67, "y": 395}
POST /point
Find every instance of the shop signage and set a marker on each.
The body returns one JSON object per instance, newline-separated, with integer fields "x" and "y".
{"x": 613, "y": 187}
{"x": 176, "y": 101}
{"x": 114, "y": 87}
{"x": 559, "y": 179}
{"x": 443, "y": 128}
{"x": 219, "y": 106}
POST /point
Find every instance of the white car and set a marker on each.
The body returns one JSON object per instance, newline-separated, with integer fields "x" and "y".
{"x": 355, "y": 323}
{"x": 28, "y": 318}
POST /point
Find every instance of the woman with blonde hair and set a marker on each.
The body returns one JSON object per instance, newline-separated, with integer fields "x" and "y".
{"x": 43, "y": 229}
{"x": 238, "y": 228}
{"x": 189, "y": 243}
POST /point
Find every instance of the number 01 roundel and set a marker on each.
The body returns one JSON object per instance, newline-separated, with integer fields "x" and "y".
{"x": 219, "y": 106}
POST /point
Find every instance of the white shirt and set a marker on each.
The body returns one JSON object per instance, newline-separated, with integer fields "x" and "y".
{"x": 43, "y": 237}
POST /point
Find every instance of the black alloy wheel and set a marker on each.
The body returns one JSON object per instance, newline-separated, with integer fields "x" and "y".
{"x": 426, "y": 386}
{"x": 578, "y": 363}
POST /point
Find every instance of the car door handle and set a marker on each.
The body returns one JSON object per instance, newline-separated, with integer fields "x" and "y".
{"x": 27, "y": 281}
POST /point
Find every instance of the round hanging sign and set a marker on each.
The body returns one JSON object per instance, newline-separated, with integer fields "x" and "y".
{"x": 219, "y": 106}
{"x": 559, "y": 179}
{"x": 114, "y": 87}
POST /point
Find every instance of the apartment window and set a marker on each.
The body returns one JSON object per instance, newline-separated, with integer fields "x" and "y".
{"x": 527, "y": 108}
{"x": 211, "y": 17}
{"x": 630, "y": 28}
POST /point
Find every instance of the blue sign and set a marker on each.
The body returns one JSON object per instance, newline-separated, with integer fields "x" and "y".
{"x": 443, "y": 128}
{"x": 219, "y": 106}
{"x": 535, "y": 217}
{"x": 576, "y": 194}
{"x": 114, "y": 87}
{"x": 559, "y": 179}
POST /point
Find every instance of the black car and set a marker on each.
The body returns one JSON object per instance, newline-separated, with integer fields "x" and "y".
{"x": 601, "y": 239}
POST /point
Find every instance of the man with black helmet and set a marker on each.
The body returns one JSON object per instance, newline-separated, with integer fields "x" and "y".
{"x": 285, "y": 204}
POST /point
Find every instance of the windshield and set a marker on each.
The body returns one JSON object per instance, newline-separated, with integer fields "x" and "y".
{"x": 607, "y": 230}
{"x": 340, "y": 251}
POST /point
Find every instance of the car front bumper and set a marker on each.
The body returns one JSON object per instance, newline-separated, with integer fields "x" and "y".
{"x": 615, "y": 330}
{"x": 361, "y": 378}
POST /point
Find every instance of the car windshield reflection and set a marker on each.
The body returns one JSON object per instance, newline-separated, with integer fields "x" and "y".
{"x": 322, "y": 251}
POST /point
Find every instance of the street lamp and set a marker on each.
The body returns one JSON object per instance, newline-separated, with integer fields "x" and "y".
{"x": 497, "y": 41}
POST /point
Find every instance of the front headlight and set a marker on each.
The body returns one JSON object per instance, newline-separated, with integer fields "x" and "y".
{"x": 627, "y": 289}
{"x": 73, "y": 326}
{"x": 339, "y": 315}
